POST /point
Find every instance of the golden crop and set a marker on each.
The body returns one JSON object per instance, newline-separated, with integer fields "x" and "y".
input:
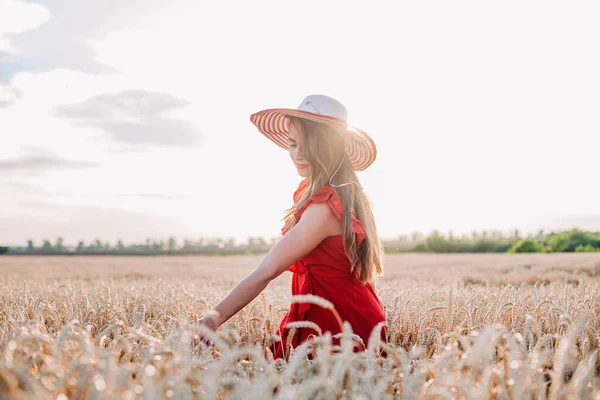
{"x": 460, "y": 326}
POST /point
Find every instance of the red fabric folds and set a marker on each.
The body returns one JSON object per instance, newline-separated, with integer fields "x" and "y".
{"x": 325, "y": 272}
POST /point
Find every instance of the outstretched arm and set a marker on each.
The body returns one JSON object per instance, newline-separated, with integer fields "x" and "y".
{"x": 317, "y": 223}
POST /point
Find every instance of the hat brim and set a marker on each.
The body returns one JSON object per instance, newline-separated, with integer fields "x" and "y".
{"x": 359, "y": 146}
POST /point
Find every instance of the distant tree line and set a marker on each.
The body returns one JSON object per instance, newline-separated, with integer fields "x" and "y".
{"x": 574, "y": 240}
{"x": 170, "y": 246}
{"x": 566, "y": 241}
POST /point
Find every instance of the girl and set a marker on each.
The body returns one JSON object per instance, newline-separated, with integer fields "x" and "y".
{"x": 330, "y": 241}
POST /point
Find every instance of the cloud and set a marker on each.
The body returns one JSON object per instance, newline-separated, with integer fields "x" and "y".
{"x": 17, "y": 17}
{"x": 42, "y": 194}
{"x": 25, "y": 188}
{"x": 41, "y": 43}
{"x": 134, "y": 117}
{"x": 40, "y": 161}
{"x": 159, "y": 196}
{"x": 8, "y": 96}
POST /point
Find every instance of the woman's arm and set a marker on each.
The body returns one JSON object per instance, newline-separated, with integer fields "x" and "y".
{"x": 243, "y": 293}
{"x": 317, "y": 223}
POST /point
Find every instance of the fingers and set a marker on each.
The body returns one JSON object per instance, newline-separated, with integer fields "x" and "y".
{"x": 208, "y": 320}
{"x": 205, "y": 341}
{"x": 196, "y": 340}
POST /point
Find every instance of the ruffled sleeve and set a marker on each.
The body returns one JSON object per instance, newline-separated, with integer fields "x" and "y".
{"x": 303, "y": 185}
{"x": 328, "y": 194}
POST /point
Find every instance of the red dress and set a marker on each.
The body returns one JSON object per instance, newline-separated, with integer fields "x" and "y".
{"x": 325, "y": 272}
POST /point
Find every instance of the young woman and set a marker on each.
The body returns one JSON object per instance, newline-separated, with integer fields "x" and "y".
{"x": 330, "y": 241}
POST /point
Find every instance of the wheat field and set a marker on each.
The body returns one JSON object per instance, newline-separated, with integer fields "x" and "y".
{"x": 492, "y": 326}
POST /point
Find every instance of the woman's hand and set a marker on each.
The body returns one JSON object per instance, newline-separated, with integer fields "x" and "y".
{"x": 209, "y": 321}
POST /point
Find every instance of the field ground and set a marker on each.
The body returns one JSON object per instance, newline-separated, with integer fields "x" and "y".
{"x": 400, "y": 269}
{"x": 469, "y": 325}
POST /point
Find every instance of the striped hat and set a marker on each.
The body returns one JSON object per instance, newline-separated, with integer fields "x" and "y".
{"x": 359, "y": 146}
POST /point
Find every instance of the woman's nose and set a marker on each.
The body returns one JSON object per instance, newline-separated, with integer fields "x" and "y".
{"x": 298, "y": 154}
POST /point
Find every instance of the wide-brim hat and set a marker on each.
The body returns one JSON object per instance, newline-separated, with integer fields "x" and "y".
{"x": 274, "y": 124}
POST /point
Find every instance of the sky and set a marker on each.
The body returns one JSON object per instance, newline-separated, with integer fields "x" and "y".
{"x": 133, "y": 122}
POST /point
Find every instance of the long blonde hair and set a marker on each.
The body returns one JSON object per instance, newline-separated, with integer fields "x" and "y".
{"x": 324, "y": 150}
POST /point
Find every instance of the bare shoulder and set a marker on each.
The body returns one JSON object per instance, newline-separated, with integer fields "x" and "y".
{"x": 322, "y": 215}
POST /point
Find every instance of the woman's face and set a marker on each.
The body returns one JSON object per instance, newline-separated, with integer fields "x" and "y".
{"x": 295, "y": 137}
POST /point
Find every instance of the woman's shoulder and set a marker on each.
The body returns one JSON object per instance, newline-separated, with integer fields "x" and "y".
{"x": 326, "y": 217}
